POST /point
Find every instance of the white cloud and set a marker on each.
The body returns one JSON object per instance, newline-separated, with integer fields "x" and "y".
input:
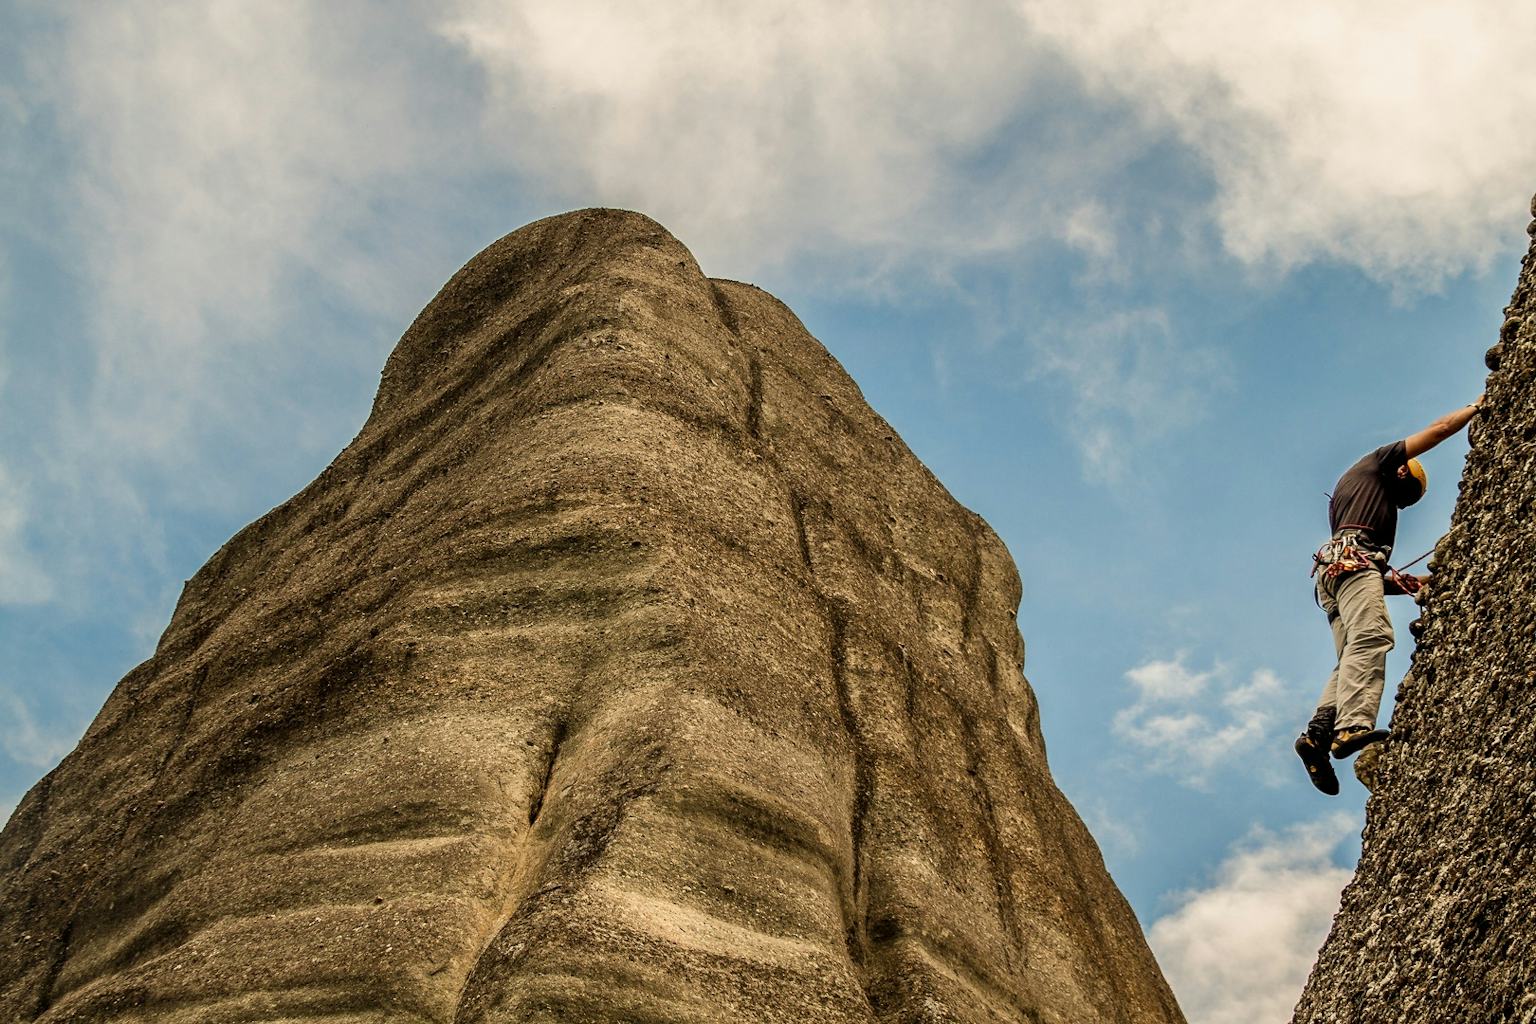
{"x": 1260, "y": 693}
{"x": 1385, "y": 136}
{"x": 1189, "y": 723}
{"x": 1390, "y": 136}
{"x": 1239, "y": 951}
{"x": 759, "y": 130}
{"x": 22, "y": 578}
{"x": 27, "y": 741}
{"x": 1168, "y": 680}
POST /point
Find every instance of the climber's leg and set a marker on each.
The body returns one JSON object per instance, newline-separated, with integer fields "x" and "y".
{"x": 1312, "y": 745}
{"x": 1363, "y": 658}
{"x": 1362, "y": 661}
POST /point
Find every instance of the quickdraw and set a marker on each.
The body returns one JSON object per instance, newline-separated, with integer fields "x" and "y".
{"x": 1406, "y": 582}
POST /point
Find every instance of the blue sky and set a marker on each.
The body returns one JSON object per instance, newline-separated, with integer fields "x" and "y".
{"x": 1137, "y": 281}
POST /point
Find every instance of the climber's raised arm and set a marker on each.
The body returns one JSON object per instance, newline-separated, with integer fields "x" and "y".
{"x": 1442, "y": 428}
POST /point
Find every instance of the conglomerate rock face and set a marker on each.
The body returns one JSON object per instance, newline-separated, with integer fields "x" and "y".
{"x": 1439, "y": 923}
{"x": 626, "y": 667}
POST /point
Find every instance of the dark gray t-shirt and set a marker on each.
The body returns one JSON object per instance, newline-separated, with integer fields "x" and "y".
{"x": 1363, "y": 495}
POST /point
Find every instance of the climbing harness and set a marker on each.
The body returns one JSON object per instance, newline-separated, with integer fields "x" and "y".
{"x": 1345, "y": 553}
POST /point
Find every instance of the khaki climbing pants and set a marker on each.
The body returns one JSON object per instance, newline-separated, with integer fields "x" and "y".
{"x": 1362, "y": 635}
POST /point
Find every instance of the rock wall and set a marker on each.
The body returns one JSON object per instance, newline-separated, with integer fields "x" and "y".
{"x": 626, "y": 667}
{"x": 1438, "y": 922}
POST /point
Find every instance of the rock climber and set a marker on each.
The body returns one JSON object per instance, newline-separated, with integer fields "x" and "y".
{"x": 1352, "y": 588}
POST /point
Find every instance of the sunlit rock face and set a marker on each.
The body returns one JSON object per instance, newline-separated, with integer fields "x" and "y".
{"x": 1440, "y": 921}
{"x": 626, "y": 667}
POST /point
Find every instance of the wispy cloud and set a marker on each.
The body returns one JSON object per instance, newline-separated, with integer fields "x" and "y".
{"x": 1240, "y": 950}
{"x": 22, "y": 579}
{"x": 1129, "y": 380}
{"x": 27, "y": 741}
{"x": 220, "y": 180}
{"x": 1091, "y": 231}
{"x": 1119, "y": 835}
{"x": 225, "y": 154}
{"x": 1187, "y": 722}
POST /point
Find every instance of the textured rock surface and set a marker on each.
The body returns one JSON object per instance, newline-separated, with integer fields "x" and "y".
{"x": 1439, "y": 923}
{"x": 626, "y": 667}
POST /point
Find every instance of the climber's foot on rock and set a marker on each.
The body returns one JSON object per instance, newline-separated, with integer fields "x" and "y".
{"x": 1347, "y": 741}
{"x": 1315, "y": 756}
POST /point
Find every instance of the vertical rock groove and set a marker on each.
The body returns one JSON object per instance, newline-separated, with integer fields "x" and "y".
{"x": 755, "y": 403}
{"x": 194, "y": 690}
{"x": 991, "y": 831}
{"x": 863, "y": 782}
{"x": 55, "y": 966}
{"x": 537, "y": 803}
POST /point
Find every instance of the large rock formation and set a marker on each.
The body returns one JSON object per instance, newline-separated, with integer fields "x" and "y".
{"x": 1439, "y": 923}
{"x": 626, "y": 667}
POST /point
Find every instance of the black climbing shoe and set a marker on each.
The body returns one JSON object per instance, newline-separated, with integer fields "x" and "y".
{"x": 1347, "y": 741}
{"x": 1321, "y": 726}
{"x": 1315, "y": 756}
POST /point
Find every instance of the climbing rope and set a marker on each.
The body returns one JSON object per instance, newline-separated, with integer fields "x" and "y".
{"x": 1401, "y": 577}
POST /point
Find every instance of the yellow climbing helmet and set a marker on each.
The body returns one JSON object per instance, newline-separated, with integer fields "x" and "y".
{"x": 1417, "y": 469}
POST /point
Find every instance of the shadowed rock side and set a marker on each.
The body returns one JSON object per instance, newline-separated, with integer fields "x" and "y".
{"x": 626, "y": 667}
{"x": 1439, "y": 923}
